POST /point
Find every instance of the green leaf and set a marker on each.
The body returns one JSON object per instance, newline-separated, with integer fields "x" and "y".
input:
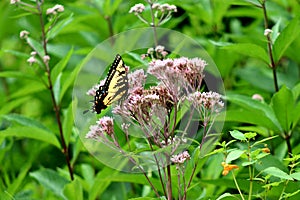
{"x": 32, "y": 133}
{"x": 13, "y": 104}
{"x": 225, "y": 195}
{"x": 69, "y": 81}
{"x": 68, "y": 123}
{"x": 274, "y": 171}
{"x": 20, "y": 179}
{"x": 73, "y": 190}
{"x": 51, "y": 180}
{"x": 25, "y": 121}
{"x": 249, "y": 49}
{"x": 253, "y": 111}
{"x": 17, "y": 74}
{"x": 28, "y": 89}
{"x": 59, "y": 26}
{"x": 296, "y": 91}
{"x": 233, "y": 155}
{"x": 61, "y": 65}
{"x": 250, "y": 135}
{"x": 296, "y": 115}
{"x": 296, "y": 176}
{"x": 56, "y": 89}
{"x": 238, "y": 135}
{"x": 37, "y": 46}
{"x": 286, "y": 37}
{"x": 283, "y": 105}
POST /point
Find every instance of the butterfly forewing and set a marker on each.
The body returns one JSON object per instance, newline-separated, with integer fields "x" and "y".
{"x": 114, "y": 88}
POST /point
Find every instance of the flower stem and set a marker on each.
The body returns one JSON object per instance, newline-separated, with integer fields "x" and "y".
{"x": 50, "y": 87}
{"x": 272, "y": 64}
{"x": 237, "y": 186}
{"x": 153, "y": 25}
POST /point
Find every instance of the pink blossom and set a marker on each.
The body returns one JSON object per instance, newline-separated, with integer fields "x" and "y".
{"x": 180, "y": 158}
{"x": 24, "y": 34}
{"x": 55, "y": 9}
{"x": 31, "y": 60}
{"x": 46, "y": 58}
{"x": 137, "y": 8}
{"x": 14, "y": 1}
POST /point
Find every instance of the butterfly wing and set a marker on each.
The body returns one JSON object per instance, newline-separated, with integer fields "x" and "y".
{"x": 115, "y": 86}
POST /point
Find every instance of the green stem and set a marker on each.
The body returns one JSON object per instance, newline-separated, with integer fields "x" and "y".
{"x": 153, "y": 25}
{"x": 237, "y": 186}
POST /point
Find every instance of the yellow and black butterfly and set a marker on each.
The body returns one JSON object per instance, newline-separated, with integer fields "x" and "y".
{"x": 114, "y": 88}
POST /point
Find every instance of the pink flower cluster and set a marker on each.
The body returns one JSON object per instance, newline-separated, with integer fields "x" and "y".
{"x": 164, "y": 7}
{"x": 210, "y": 101}
{"x": 178, "y": 73}
{"x": 181, "y": 157}
{"x": 103, "y": 126}
{"x": 55, "y": 9}
{"x": 137, "y": 8}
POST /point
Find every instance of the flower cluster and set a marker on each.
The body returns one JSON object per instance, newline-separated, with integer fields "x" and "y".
{"x": 55, "y": 9}
{"x": 180, "y": 158}
{"x": 178, "y": 73}
{"x": 161, "y": 11}
{"x": 210, "y": 101}
{"x": 142, "y": 104}
{"x": 164, "y": 7}
{"x": 158, "y": 53}
{"x": 103, "y": 125}
{"x": 137, "y": 8}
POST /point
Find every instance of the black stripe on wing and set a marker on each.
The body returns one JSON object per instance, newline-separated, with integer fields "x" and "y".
{"x": 114, "y": 88}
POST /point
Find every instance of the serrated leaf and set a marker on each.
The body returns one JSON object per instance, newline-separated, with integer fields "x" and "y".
{"x": 249, "y": 49}
{"x": 237, "y": 135}
{"x": 274, "y": 171}
{"x": 233, "y": 155}
{"x": 283, "y": 105}
{"x": 250, "y": 135}
{"x": 286, "y": 37}
{"x": 32, "y": 133}
{"x": 296, "y": 176}
{"x": 51, "y": 180}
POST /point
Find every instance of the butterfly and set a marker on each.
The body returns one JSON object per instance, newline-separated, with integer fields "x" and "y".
{"x": 114, "y": 88}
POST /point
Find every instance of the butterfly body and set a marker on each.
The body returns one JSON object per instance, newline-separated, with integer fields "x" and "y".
{"x": 114, "y": 88}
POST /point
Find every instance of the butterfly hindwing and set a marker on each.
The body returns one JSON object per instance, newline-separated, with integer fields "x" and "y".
{"x": 115, "y": 86}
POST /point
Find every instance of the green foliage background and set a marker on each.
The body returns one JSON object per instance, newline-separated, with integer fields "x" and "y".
{"x": 32, "y": 164}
